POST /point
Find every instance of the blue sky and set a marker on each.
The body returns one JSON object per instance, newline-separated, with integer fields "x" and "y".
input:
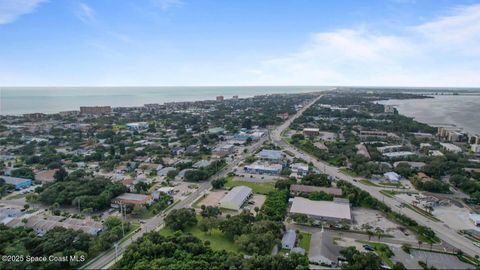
{"x": 243, "y": 42}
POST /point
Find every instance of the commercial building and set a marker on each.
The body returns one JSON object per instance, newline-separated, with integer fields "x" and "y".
{"x": 288, "y": 240}
{"x": 235, "y": 198}
{"x": 19, "y": 183}
{"x": 132, "y": 198}
{"x": 95, "y": 109}
{"x": 270, "y": 155}
{"x": 219, "y": 98}
{"x": 300, "y": 169}
{"x": 46, "y": 176}
{"x": 216, "y": 130}
{"x": 321, "y": 210}
{"x": 311, "y": 132}
{"x": 41, "y": 224}
{"x": 399, "y": 154}
{"x": 373, "y": 133}
{"x": 296, "y": 190}
{"x": 137, "y": 125}
{"x": 260, "y": 168}
{"x": 390, "y": 148}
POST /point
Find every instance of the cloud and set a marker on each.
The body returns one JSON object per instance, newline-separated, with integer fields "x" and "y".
{"x": 85, "y": 13}
{"x": 10, "y": 10}
{"x": 167, "y": 4}
{"x": 442, "y": 52}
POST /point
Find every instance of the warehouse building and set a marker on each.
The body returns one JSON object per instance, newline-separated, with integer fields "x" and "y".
{"x": 18, "y": 183}
{"x": 270, "y": 155}
{"x": 235, "y": 198}
{"x": 336, "y": 211}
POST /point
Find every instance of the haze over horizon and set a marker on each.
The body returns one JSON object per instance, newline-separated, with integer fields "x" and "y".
{"x": 403, "y": 43}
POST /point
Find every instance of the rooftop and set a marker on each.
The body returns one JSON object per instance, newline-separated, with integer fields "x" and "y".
{"x": 237, "y": 195}
{"x": 270, "y": 154}
{"x": 321, "y": 208}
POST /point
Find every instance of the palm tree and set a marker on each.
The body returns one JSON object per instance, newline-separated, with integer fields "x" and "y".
{"x": 379, "y": 232}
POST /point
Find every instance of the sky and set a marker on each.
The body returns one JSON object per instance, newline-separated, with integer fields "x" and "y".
{"x": 243, "y": 42}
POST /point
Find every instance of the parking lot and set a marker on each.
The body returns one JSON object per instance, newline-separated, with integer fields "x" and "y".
{"x": 212, "y": 198}
{"x": 437, "y": 260}
{"x": 377, "y": 219}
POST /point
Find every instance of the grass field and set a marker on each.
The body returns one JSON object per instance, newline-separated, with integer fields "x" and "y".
{"x": 305, "y": 241}
{"x": 260, "y": 188}
{"x": 218, "y": 241}
{"x": 421, "y": 212}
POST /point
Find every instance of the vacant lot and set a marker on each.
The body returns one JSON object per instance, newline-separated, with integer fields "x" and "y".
{"x": 212, "y": 198}
{"x": 261, "y": 188}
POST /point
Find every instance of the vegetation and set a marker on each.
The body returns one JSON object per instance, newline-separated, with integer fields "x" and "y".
{"x": 319, "y": 180}
{"x": 260, "y": 188}
{"x": 184, "y": 251}
{"x": 360, "y": 260}
{"x": 320, "y": 196}
{"x": 204, "y": 173}
{"x": 275, "y": 206}
{"x": 87, "y": 193}
{"x": 219, "y": 183}
{"x": 180, "y": 219}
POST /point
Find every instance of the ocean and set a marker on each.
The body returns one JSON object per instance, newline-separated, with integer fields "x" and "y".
{"x": 20, "y": 100}
{"x": 460, "y": 110}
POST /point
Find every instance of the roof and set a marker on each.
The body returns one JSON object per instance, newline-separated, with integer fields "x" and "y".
{"x": 474, "y": 217}
{"x": 14, "y": 180}
{"x": 270, "y": 154}
{"x": 237, "y": 195}
{"x": 263, "y": 166}
{"x": 308, "y": 189}
{"x": 46, "y": 176}
{"x": 289, "y": 238}
{"x": 132, "y": 197}
{"x": 392, "y": 176}
{"x": 327, "y": 209}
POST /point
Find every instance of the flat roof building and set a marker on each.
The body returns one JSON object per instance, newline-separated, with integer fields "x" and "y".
{"x": 235, "y": 198}
{"x": 451, "y": 147}
{"x": 19, "y": 183}
{"x": 392, "y": 176}
{"x": 261, "y": 168}
{"x": 137, "y": 125}
{"x": 321, "y": 210}
{"x": 270, "y": 155}
{"x": 311, "y": 132}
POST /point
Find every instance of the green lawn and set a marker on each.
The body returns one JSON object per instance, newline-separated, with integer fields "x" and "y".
{"x": 305, "y": 241}
{"x": 261, "y": 188}
{"x": 421, "y": 212}
{"x": 383, "y": 251}
{"x": 218, "y": 241}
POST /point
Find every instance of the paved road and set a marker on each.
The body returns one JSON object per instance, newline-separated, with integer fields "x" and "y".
{"x": 446, "y": 234}
{"x": 105, "y": 259}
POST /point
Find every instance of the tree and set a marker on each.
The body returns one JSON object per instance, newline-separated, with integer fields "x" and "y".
{"x": 23, "y": 172}
{"x": 210, "y": 211}
{"x": 219, "y": 182}
{"x": 60, "y": 174}
{"x": 139, "y": 210}
{"x": 180, "y": 219}
{"x": 379, "y": 232}
{"x": 398, "y": 266}
{"x": 320, "y": 196}
{"x": 207, "y": 224}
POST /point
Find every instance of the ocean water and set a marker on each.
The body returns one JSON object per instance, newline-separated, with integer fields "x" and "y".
{"x": 460, "y": 110}
{"x": 19, "y": 100}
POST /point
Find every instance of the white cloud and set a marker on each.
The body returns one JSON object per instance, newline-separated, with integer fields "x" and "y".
{"x": 85, "y": 13}
{"x": 167, "y": 4}
{"x": 10, "y": 10}
{"x": 442, "y": 52}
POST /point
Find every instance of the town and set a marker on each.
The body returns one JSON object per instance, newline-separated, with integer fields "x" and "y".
{"x": 331, "y": 179}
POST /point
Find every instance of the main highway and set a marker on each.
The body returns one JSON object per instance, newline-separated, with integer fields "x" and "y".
{"x": 442, "y": 231}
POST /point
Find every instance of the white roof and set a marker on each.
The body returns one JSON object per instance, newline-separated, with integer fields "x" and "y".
{"x": 237, "y": 195}
{"x": 392, "y": 176}
{"x": 399, "y": 154}
{"x": 474, "y": 217}
{"x": 451, "y": 147}
{"x": 320, "y": 208}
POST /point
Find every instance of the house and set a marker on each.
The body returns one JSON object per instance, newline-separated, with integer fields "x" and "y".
{"x": 288, "y": 240}
{"x": 392, "y": 176}
{"x": 235, "y": 198}
{"x": 41, "y": 224}
{"x": 131, "y": 198}
{"x": 18, "y": 183}
{"x": 261, "y": 168}
{"x": 476, "y": 149}
{"x": 322, "y": 210}
{"x": 201, "y": 163}
{"x": 164, "y": 171}
{"x": 296, "y": 190}
{"x": 270, "y": 155}
{"x": 413, "y": 164}
{"x": 216, "y": 130}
